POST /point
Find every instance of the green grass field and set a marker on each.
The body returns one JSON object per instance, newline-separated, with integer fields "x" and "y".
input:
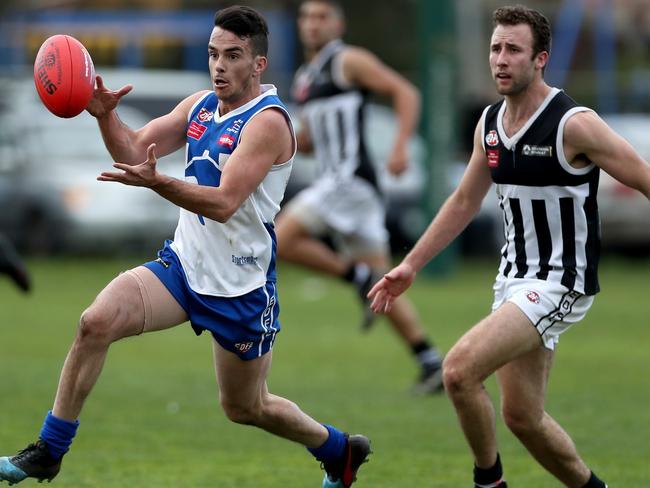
{"x": 153, "y": 419}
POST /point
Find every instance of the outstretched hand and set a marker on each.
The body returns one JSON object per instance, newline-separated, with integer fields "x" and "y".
{"x": 105, "y": 100}
{"x": 392, "y": 285}
{"x": 143, "y": 174}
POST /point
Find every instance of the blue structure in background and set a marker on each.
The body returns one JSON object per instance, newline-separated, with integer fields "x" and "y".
{"x": 130, "y": 28}
{"x": 568, "y": 24}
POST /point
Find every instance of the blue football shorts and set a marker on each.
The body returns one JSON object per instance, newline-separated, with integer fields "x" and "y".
{"x": 245, "y": 325}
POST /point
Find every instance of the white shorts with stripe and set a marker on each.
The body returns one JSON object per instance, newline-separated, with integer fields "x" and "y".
{"x": 551, "y": 307}
{"x": 350, "y": 211}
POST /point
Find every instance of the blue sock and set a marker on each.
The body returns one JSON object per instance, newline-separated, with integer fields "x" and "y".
{"x": 58, "y": 434}
{"x": 333, "y": 447}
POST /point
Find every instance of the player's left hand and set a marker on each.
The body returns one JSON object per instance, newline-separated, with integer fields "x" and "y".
{"x": 143, "y": 174}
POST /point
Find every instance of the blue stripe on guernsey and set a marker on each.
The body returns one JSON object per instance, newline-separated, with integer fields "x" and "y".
{"x": 245, "y": 325}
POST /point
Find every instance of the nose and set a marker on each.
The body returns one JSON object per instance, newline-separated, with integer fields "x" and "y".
{"x": 502, "y": 58}
{"x": 219, "y": 66}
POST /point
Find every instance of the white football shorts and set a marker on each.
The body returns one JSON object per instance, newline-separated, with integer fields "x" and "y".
{"x": 351, "y": 212}
{"x": 551, "y": 307}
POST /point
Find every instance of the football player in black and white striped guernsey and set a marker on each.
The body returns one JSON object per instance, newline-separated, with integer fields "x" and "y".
{"x": 345, "y": 203}
{"x": 544, "y": 153}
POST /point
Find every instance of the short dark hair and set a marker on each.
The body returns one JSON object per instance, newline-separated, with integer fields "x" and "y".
{"x": 245, "y": 22}
{"x": 520, "y": 14}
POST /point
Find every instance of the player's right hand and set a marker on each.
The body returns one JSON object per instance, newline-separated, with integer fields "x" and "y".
{"x": 392, "y": 285}
{"x": 105, "y": 100}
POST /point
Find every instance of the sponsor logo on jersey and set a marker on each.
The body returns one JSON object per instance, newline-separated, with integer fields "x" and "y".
{"x": 532, "y": 296}
{"x": 491, "y": 138}
{"x": 236, "y": 127}
{"x": 226, "y": 140}
{"x": 243, "y": 346}
{"x": 196, "y": 130}
{"x": 241, "y": 260}
{"x": 205, "y": 115}
{"x": 493, "y": 158}
{"x": 542, "y": 151}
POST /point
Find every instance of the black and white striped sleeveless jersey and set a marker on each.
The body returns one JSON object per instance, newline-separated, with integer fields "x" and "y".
{"x": 550, "y": 213}
{"x": 334, "y": 112}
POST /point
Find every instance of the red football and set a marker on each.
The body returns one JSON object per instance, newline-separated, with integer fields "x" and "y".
{"x": 64, "y": 75}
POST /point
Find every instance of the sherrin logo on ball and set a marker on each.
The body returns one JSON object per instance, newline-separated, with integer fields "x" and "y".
{"x": 64, "y": 75}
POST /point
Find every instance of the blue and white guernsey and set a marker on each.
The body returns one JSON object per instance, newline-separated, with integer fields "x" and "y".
{"x": 232, "y": 258}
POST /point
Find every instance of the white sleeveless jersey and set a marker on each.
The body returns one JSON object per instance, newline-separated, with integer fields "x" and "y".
{"x": 232, "y": 258}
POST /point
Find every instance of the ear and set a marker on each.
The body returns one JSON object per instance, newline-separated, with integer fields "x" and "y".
{"x": 260, "y": 63}
{"x": 542, "y": 60}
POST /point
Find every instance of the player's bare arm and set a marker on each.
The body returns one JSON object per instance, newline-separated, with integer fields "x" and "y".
{"x": 586, "y": 133}
{"x": 455, "y": 214}
{"x": 127, "y": 145}
{"x": 303, "y": 138}
{"x": 265, "y": 141}
{"x": 457, "y": 211}
{"x": 363, "y": 68}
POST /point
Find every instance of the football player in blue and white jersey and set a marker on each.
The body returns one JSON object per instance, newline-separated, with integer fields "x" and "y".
{"x": 218, "y": 272}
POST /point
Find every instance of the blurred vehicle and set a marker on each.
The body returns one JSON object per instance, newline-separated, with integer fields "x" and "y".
{"x": 51, "y": 199}
{"x": 625, "y": 212}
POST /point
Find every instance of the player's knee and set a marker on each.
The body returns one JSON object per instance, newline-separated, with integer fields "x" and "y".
{"x": 455, "y": 375}
{"x": 520, "y": 421}
{"x": 94, "y": 325}
{"x": 240, "y": 413}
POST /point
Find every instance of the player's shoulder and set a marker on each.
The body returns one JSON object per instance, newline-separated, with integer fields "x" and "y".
{"x": 188, "y": 102}
{"x": 354, "y": 52}
{"x": 270, "y": 120}
{"x": 582, "y": 123}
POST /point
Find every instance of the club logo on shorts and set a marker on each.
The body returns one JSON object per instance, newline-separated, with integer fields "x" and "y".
{"x": 491, "y": 138}
{"x": 243, "y": 346}
{"x": 532, "y": 296}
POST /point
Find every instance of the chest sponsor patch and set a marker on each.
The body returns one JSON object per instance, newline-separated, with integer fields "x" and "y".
{"x": 492, "y": 138}
{"x": 226, "y": 140}
{"x": 196, "y": 130}
{"x": 541, "y": 151}
{"x": 493, "y": 158}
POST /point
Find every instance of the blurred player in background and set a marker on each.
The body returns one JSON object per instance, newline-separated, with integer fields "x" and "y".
{"x": 12, "y": 265}
{"x": 219, "y": 271}
{"x": 344, "y": 204}
{"x": 544, "y": 152}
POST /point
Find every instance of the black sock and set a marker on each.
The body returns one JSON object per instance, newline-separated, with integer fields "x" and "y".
{"x": 426, "y": 353}
{"x": 349, "y": 274}
{"x": 595, "y": 482}
{"x": 489, "y": 476}
{"x": 357, "y": 273}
